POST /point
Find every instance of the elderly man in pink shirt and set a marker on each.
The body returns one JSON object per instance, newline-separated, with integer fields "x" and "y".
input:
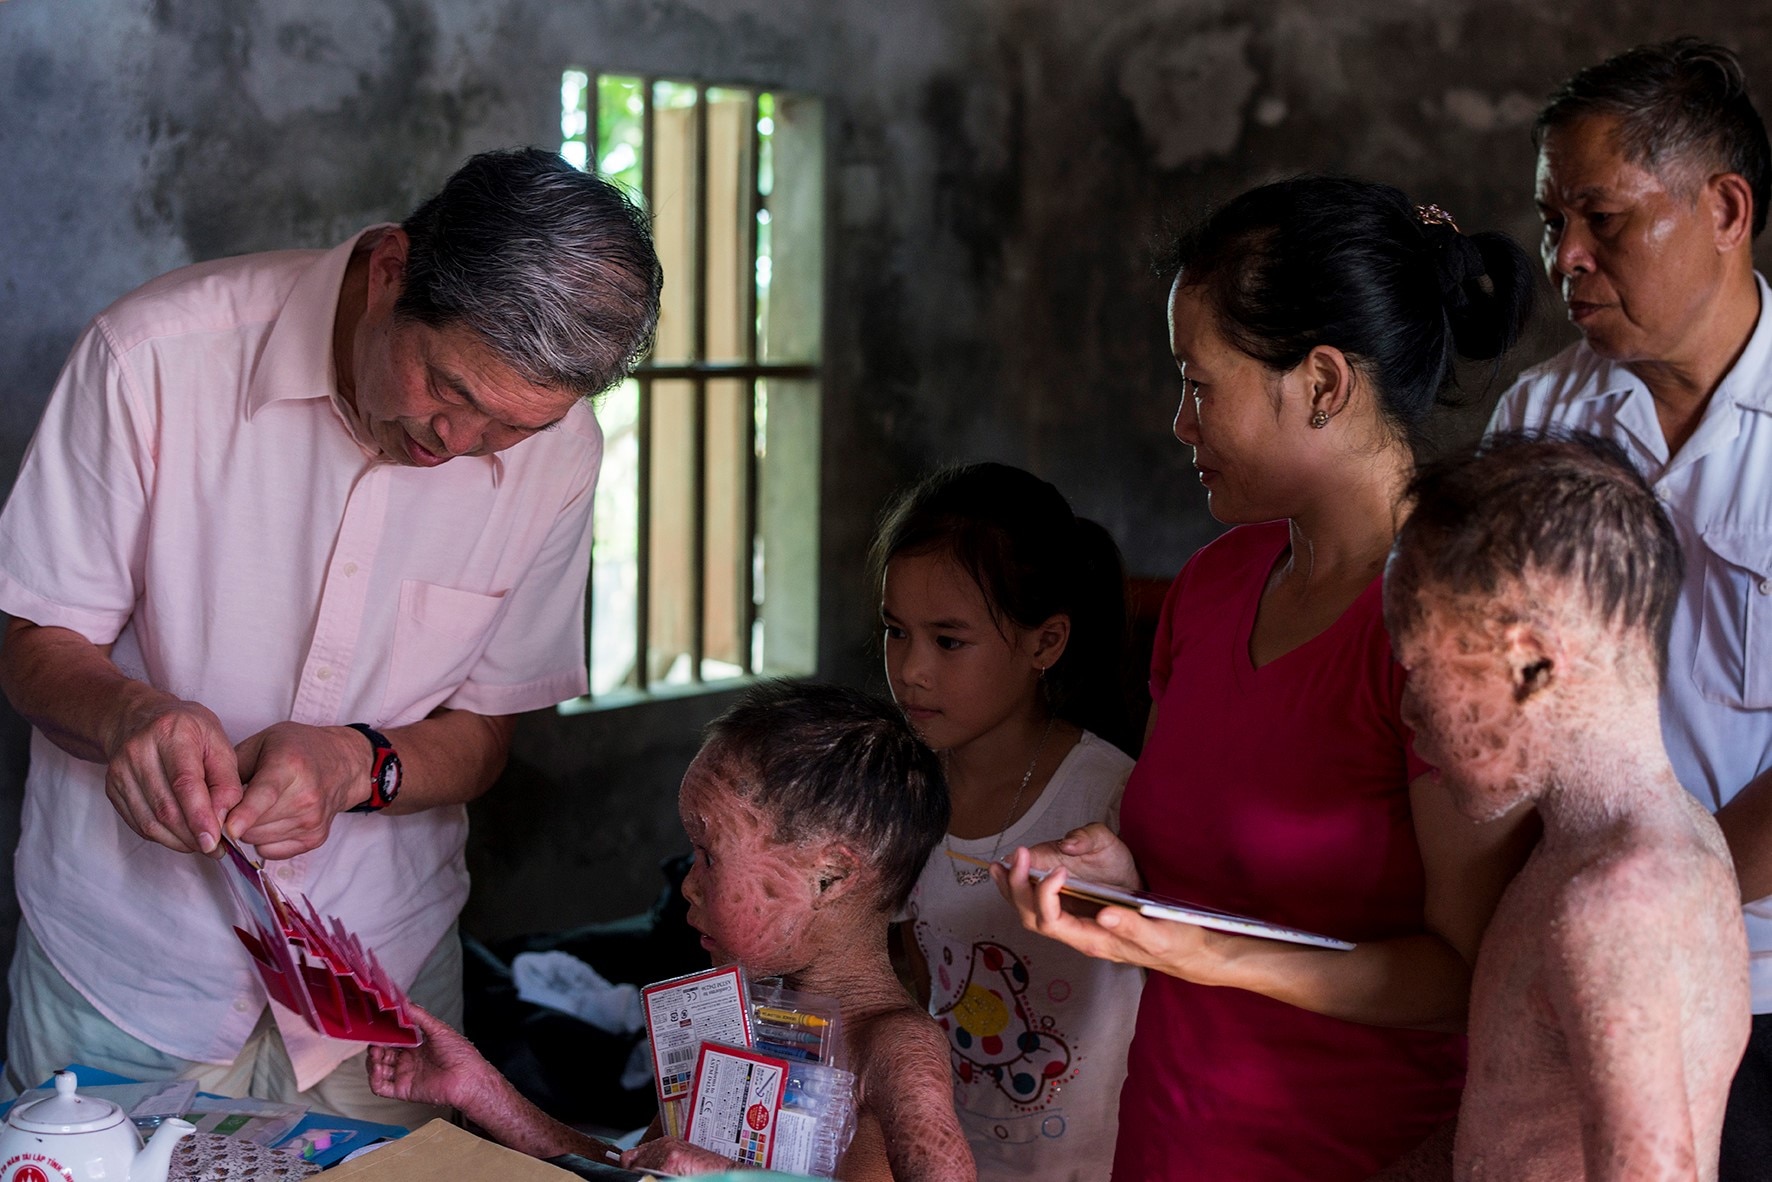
{"x": 298, "y": 534}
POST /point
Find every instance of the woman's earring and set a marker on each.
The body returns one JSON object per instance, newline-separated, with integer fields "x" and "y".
{"x": 1319, "y": 419}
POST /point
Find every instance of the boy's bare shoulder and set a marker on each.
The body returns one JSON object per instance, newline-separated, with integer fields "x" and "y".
{"x": 901, "y": 1039}
{"x": 903, "y": 1018}
{"x": 902, "y": 1062}
{"x": 1639, "y": 880}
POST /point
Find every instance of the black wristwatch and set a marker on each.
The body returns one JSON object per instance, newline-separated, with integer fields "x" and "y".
{"x": 384, "y": 770}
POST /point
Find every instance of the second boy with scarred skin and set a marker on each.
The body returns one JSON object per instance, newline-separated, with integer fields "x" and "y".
{"x": 811, "y": 810}
{"x": 1528, "y": 596}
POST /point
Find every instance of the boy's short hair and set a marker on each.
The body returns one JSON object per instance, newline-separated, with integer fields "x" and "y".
{"x": 831, "y": 762}
{"x": 1566, "y": 505}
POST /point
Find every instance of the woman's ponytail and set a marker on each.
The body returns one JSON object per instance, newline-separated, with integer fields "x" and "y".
{"x": 1088, "y": 687}
{"x": 1487, "y": 285}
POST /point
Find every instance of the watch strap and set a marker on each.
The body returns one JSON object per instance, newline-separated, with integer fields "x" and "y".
{"x": 384, "y": 770}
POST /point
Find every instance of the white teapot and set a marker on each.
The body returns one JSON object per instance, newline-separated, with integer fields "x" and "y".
{"x": 68, "y": 1137}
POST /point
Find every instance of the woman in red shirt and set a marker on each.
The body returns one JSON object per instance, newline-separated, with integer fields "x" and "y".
{"x": 1315, "y": 322}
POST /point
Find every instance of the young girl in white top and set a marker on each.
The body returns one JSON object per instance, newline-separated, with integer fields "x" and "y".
{"x": 1005, "y": 622}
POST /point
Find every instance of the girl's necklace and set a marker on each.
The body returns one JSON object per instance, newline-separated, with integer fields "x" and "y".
{"x": 973, "y": 875}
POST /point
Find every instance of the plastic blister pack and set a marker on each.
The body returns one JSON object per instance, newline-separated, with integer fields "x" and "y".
{"x": 800, "y": 1027}
{"x": 753, "y": 1070}
{"x": 818, "y": 1109}
{"x": 818, "y": 1114}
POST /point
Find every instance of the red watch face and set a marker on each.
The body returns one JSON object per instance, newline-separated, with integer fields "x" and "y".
{"x": 384, "y": 770}
{"x": 387, "y": 778}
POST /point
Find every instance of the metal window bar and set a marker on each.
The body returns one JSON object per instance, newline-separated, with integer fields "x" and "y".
{"x": 593, "y": 161}
{"x": 698, "y": 371}
{"x": 643, "y": 506}
{"x": 747, "y": 578}
{"x": 695, "y": 371}
{"x": 698, "y": 351}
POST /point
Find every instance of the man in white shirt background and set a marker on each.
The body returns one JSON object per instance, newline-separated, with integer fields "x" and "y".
{"x": 1653, "y": 178}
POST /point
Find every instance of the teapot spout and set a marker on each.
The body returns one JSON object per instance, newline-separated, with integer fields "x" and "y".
{"x": 152, "y": 1162}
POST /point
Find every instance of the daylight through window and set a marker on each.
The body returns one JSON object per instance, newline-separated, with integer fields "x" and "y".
{"x": 704, "y": 562}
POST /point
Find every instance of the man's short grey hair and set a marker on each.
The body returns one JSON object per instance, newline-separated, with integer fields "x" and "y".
{"x": 1678, "y": 103}
{"x": 552, "y": 268}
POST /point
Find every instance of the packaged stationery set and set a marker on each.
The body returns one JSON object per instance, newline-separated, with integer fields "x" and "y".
{"x": 752, "y": 1071}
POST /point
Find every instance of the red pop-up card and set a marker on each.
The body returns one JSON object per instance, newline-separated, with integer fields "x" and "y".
{"x": 312, "y": 965}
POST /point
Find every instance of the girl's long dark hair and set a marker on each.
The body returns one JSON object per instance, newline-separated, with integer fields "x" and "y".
{"x": 1032, "y": 558}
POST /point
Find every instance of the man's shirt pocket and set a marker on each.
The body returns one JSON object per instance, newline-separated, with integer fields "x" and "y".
{"x": 439, "y": 634}
{"x": 1733, "y": 661}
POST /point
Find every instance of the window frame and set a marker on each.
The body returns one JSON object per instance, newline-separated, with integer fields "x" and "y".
{"x": 698, "y": 373}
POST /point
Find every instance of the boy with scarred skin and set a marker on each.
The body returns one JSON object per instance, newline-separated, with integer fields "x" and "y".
{"x": 811, "y": 810}
{"x": 1528, "y": 596}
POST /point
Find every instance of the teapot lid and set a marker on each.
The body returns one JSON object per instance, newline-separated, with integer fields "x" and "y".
{"x": 65, "y": 1112}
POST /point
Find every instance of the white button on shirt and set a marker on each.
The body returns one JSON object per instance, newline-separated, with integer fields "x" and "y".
{"x": 1716, "y": 708}
{"x": 196, "y": 498}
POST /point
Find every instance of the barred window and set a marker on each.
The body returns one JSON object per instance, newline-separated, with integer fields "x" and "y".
{"x": 705, "y": 559}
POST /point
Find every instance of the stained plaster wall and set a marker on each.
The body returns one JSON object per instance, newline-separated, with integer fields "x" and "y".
{"x": 1000, "y": 170}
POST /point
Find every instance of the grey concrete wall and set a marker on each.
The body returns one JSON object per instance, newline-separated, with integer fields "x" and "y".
{"x": 999, "y": 168}
{"x": 140, "y": 136}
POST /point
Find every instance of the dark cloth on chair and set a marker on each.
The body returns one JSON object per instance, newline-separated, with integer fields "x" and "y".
{"x": 567, "y": 1067}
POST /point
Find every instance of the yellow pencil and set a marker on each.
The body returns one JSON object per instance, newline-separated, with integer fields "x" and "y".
{"x": 959, "y": 857}
{"x": 790, "y": 1018}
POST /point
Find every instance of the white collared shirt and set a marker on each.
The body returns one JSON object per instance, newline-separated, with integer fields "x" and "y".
{"x": 1716, "y": 706}
{"x": 196, "y": 498}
